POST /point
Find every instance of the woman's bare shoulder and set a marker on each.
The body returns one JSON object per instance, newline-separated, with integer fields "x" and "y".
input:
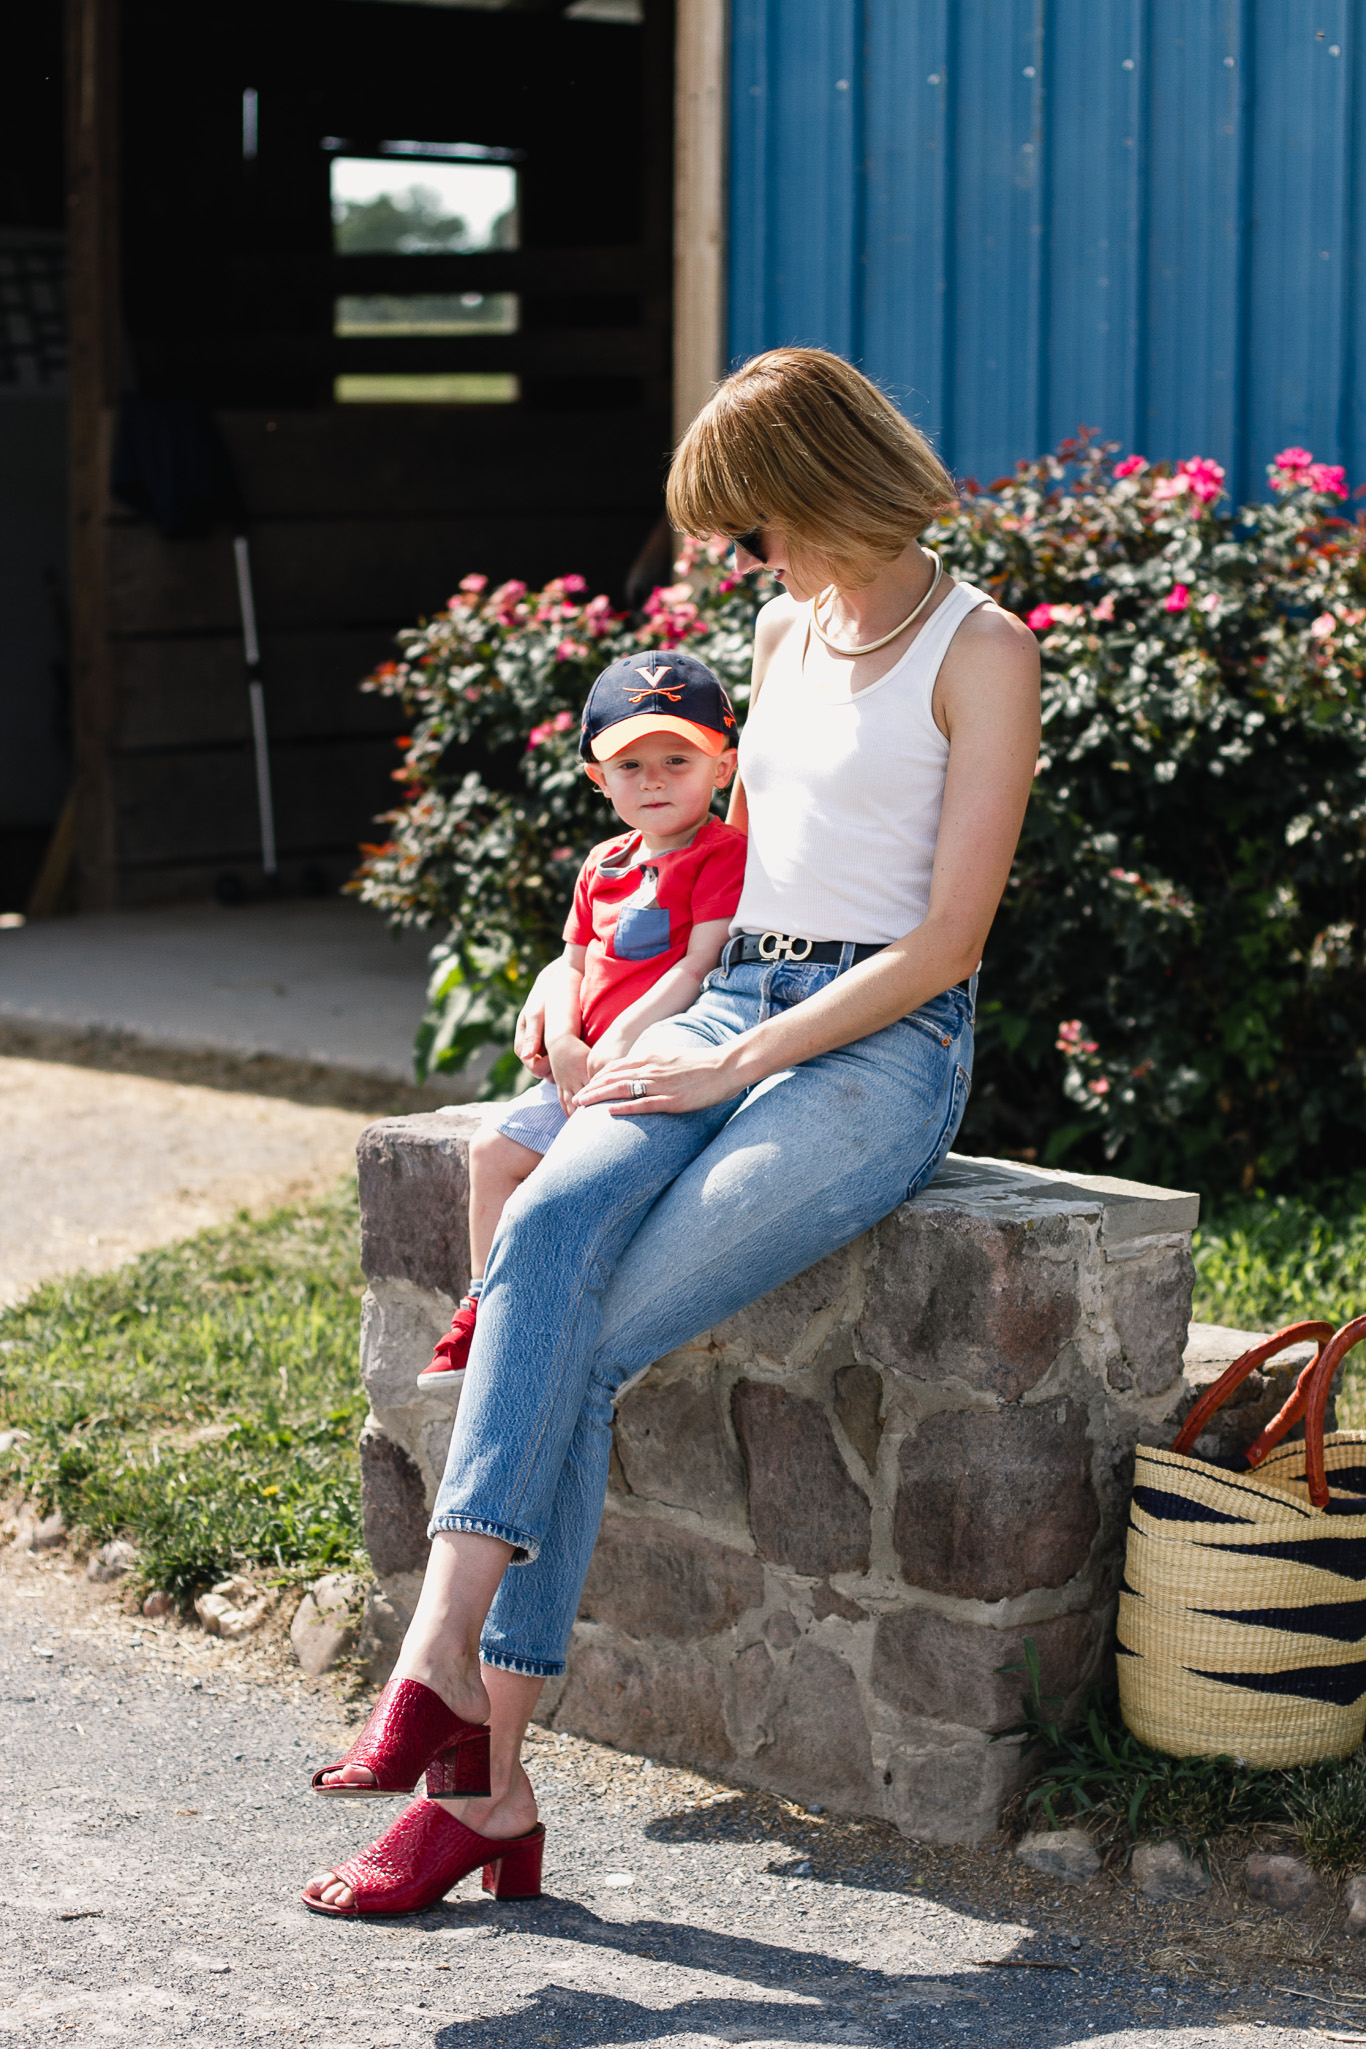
{"x": 992, "y": 637}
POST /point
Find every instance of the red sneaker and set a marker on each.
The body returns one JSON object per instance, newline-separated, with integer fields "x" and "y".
{"x": 452, "y": 1354}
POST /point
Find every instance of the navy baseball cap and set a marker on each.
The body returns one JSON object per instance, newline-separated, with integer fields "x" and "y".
{"x": 664, "y": 691}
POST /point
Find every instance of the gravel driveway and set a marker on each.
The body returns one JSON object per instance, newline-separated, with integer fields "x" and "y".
{"x": 159, "y": 1824}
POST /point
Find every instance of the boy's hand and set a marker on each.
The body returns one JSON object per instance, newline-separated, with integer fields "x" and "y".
{"x": 612, "y": 1045}
{"x": 569, "y": 1067}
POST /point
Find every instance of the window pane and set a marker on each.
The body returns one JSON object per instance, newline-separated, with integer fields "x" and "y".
{"x": 383, "y": 207}
{"x": 379, "y": 314}
{"x": 441, "y": 388}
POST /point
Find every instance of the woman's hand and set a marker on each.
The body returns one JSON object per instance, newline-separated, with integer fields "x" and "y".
{"x": 528, "y": 1040}
{"x": 674, "y": 1081}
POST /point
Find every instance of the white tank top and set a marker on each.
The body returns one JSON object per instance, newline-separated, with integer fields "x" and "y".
{"x": 845, "y": 792}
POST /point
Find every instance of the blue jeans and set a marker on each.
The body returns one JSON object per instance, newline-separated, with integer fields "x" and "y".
{"x": 636, "y": 1234}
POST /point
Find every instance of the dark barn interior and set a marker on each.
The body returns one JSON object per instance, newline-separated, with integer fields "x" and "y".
{"x": 412, "y": 260}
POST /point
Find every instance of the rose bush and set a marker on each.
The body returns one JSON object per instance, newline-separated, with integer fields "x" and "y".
{"x": 1176, "y": 983}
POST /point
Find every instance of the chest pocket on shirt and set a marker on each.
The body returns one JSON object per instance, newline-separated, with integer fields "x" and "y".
{"x": 642, "y": 928}
{"x": 641, "y": 933}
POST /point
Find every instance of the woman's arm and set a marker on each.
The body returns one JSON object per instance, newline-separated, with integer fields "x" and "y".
{"x": 776, "y": 619}
{"x": 989, "y": 696}
{"x": 564, "y": 1041}
{"x": 528, "y": 1038}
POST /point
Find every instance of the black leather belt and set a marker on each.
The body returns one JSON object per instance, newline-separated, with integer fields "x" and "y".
{"x": 771, "y": 947}
{"x": 747, "y": 947}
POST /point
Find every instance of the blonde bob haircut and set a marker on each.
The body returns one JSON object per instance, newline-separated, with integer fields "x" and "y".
{"x": 798, "y": 440}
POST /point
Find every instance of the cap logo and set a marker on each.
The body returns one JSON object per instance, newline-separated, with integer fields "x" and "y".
{"x": 654, "y": 680}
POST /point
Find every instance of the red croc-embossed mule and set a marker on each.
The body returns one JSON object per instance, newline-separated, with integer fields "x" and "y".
{"x": 426, "y": 1852}
{"x": 411, "y": 1729}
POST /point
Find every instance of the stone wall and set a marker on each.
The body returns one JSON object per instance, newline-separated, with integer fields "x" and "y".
{"x": 834, "y": 1518}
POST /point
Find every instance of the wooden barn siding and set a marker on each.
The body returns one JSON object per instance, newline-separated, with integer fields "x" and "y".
{"x": 361, "y": 520}
{"x": 1160, "y": 232}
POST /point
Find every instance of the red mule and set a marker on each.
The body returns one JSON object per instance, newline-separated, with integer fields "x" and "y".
{"x": 411, "y": 1729}
{"x": 426, "y": 1852}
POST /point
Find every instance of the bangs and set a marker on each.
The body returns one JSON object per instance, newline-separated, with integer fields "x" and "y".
{"x": 709, "y": 490}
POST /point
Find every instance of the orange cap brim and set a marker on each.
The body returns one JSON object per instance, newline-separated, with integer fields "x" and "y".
{"x": 617, "y": 738}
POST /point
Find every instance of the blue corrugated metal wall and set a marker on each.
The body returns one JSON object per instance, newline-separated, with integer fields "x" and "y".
{"x": 1022, "y": 215}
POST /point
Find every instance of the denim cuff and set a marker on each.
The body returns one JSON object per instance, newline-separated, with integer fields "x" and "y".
{"x": 530, "y": 1668}
{"x": 525, "y": 1549}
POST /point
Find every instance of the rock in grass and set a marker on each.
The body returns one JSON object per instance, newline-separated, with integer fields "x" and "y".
{"x": 1355, "y": 1894}
{"x": 1285, "y": 1883}
{"x": 229, "y": 1611}
{"x": 1065, "y": 1853}
{"x": 49, "y": 1532}
{"x": 324, "y": 1625}
{"x": 1163, "y": 1871}
{"x": 111, "y": 1561}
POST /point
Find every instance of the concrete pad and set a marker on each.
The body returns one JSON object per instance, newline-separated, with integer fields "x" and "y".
{"x": 326, "y": 982}
{"x": 100, "y": 1167}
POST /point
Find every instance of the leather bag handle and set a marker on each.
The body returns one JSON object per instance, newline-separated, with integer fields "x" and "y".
{"x": 1233, "y": 1376}
{"x": 1321, "y": 1380}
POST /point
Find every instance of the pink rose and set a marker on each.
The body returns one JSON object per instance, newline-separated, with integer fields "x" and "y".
{"x": 1323, "y": 626}
{"x": 1206, "y": 477}
{"x": 1100, "y": 1087}
{"x": 1132, "y": 466}
{"x": 1293, "y": 459}
{"x": 474, "y": 584}
{"x": 573, "y": 585}
{"x": 563, "y": 721}
{"x": 1171, "y": 487}
{"x": 1329, "y": 477}
{"x": 1040, "y": 619}
{"x": 1106, "y": 608}
{"x": 1177, "y": 598}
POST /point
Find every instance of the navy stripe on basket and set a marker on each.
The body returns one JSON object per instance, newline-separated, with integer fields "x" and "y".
{"x": 1346, "y": 1556}
{"x": 1177, "y": 1508}
{"x": 1335, "y": 1685}
{"x": 1343, "y": 1621}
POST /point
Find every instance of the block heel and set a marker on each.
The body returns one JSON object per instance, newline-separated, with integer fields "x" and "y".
{"x": 462, "y": 1771}
{"x": 516, "y": 1875}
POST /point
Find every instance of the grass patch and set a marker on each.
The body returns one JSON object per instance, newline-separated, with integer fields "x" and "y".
{"x": 203, "y": 1401}
{"x": 1099, "y": 1774}
{"x": 1262, "y": 1261}
{"x": 1265, "y": 1260}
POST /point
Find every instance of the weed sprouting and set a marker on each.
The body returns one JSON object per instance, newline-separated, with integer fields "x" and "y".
{"x": 1098, "y": 1772}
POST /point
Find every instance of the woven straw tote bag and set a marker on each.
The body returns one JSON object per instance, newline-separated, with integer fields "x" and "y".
{"x": 1242, "y": 1615}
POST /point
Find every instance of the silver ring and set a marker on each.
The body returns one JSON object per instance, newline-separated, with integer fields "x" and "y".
{"x": 638, "y": 1089}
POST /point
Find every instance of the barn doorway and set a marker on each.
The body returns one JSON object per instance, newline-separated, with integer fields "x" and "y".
{"x": 413, "y": 259}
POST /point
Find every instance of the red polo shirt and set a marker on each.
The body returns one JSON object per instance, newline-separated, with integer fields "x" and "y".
{"x": 635, "y": 913}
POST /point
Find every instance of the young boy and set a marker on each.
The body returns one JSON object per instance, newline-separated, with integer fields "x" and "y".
{"x": 652, "y": 911}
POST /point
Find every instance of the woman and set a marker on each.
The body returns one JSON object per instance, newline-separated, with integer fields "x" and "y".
{"x": 817, "y": 1082}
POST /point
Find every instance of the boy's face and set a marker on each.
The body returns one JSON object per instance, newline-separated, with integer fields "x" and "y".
{"x": 662, "y": 785}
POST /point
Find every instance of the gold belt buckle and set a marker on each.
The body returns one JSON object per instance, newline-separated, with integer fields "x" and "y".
{"x": 783, "y": 946}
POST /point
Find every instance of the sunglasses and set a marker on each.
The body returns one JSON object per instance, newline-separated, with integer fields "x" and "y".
{"x": 751, "y": 543}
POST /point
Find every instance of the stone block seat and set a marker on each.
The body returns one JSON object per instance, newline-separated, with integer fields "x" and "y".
{"x": 833, "y": 1519}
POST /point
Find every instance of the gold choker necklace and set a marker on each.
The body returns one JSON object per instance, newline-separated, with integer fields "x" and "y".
{"x": 871, "y": 646}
